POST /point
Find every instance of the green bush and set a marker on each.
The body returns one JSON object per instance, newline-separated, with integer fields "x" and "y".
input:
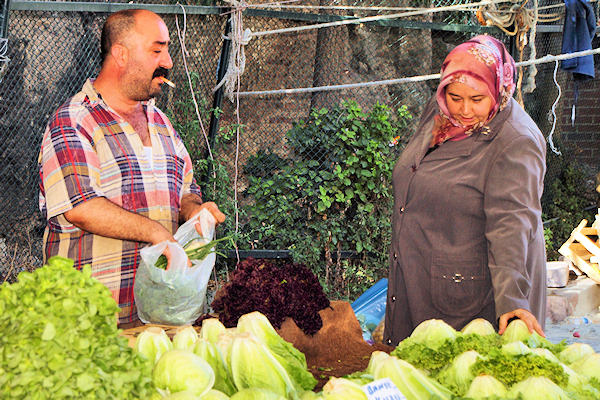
{"x": 331, "y": 193}
{"x": 569, "y": 199}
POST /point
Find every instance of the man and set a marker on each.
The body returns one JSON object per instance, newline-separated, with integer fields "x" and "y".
{"x": 114, "y": 174}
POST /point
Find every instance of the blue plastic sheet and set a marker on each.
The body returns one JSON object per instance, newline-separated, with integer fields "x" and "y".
{"x": 369, "y": 308}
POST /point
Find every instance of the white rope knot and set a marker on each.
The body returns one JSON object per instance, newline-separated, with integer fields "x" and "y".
{"x": 237, "y": 58}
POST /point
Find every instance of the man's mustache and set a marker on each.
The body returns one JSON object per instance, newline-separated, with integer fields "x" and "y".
{"x": 161, "y": 72}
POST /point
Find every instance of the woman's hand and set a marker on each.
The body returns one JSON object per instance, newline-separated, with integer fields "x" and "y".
{"x": 525, "y": 316}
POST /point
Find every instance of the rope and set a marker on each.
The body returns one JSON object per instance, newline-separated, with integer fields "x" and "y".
{"x": 554, "y": 149}
{"x": 4, "y": 50}
{"x": 530, "y": 85}
{"x": 377, "y": 17}
{"x": 184, "y": 54}
{"x": 4, "y": 60}
{"x": 546, "y": 59}
{"x": 237, "y": 57}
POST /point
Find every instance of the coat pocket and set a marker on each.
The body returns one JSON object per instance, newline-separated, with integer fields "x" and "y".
{"x": 460, "y": 286}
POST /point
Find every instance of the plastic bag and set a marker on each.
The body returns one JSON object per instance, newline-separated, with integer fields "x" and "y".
{"x": 369, "y": 308}
{"x": 175, "y": 296}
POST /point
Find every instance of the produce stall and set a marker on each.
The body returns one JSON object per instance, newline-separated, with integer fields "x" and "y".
{"x": 60, "y": 341}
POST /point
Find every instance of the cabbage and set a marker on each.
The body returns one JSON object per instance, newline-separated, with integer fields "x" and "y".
{"x": 411, "y": 382}
{"x": 433, "y": 333}
{"x": 485, "y": 386}
{"x": 515, "y": 348}
{"x": 576, "y": 381}
{"x": 211, "y": 329}
{"x": 224, "y": 345}
{"x": 547, "y": 354}
{"x": 574, "y": 352}
{"x": 310, "y": 395}
{"x": 343, "y": 389}
{"x": 181, "y": 370}
{"x": 185, "y": 395}
{"x": 185, "y": 338}
{"x": 537, "y": 388}
{"x": 292, "y": 359}
{"x": 256, "y": 394}
{"x": 588, "y": 366}
{"x": 152, "y": 343}
{"x": 479, "y": 326}
{"x": 516, "y": 331}
{"x": 253, "y": 366}
{"x": 213, "y": 394}
{"x": 458, "y": 376}
{"x": 212, "y": 355}
{"x": 377, "y": 357}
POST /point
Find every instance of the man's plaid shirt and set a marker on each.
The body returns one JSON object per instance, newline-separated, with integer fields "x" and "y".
{"x": 89, "y": 151}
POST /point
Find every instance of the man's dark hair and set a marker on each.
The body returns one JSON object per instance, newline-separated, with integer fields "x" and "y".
{"x": 115, "y": 26}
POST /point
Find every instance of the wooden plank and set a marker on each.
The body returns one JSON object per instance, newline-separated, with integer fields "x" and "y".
{"x": 576, "y": 254}
{"x": 587, "y": 243}
{"x": 571, "y": 239}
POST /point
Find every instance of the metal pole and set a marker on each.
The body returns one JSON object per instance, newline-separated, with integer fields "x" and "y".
{"x": 4, "y": 27}
{"x": 218, "y": 97}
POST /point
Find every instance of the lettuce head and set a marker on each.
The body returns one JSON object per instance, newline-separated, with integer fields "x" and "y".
{"x": 433, "y": 333}
{"x": 181, "y": 370}
{"x": 479, "y": 326}
{"x": 211, "y": 329}
{"x": 253, "y": 366}
{"x": 152, "y": 343}
{"x": 185, "y": 338}
{"x": 537, "y": 388}
{"x": 484, "y": 387}
{"x": 343, "y": 389}
{"x": 257, "y": 394}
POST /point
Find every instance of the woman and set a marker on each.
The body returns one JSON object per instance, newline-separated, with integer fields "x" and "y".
{"x": 467, "y": 237}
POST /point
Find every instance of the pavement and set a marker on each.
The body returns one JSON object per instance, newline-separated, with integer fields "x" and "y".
{"x": 573, "y": 312}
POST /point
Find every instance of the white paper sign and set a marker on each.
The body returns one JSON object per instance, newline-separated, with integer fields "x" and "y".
{"x": 383, "y": 389}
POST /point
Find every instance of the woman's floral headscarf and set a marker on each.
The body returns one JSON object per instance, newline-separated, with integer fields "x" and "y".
{"x": 482, "y": 58}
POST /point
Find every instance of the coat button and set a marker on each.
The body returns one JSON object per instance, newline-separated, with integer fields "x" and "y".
{"x": 395, "y": 255}
{"x": 393, "y": 298}
{"x": 389, "y": 342}
{"x": 402, "y": 210}
{"x": 413, "y": 167}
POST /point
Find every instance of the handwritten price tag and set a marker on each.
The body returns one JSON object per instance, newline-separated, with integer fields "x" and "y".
{"x": 383, "y": 389}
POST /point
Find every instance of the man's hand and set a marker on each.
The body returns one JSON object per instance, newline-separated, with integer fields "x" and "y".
{"x": 525, "y": 316}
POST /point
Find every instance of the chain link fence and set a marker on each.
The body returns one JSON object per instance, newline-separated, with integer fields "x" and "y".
{"x": 273, "y": 164}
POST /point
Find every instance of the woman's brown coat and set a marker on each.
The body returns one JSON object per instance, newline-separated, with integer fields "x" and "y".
{"x": 467, "y": 236}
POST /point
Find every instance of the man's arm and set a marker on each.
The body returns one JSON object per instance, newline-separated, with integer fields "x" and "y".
{"x": 102, "y": 217}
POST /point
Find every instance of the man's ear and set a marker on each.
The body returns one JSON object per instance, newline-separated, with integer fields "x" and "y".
{"x": 120, "y": 54}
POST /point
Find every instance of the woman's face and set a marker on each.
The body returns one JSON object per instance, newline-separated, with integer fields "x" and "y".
{"x": 469, "y": 105}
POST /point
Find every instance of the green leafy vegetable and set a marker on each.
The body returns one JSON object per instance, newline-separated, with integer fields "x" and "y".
{"x": 458, "y": 375}
{"x": 516, "y": 331}
{"x": 343, "y": 389}
{"x": 510, "y": 369}
{"x": 59, "y": 339}
{"x": 479, "y": 326}
{"x": 152, "y": 343}
{"x": 197, "y": 249}
{"x": 288, "y": 356}
{"x": 256, "y": 394}
{"x": 537, "y": 388}
{"x": 433, "y": 333}
{"x": 574, "y": 352}
{"x": 484, "y": 387}
{"x": 185, "y": 338}
{"x": 411, "y": 382}
{"x": 253, "y": 366}
{"x": 182, "y": 370}
{"x": 212, "y": 355}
